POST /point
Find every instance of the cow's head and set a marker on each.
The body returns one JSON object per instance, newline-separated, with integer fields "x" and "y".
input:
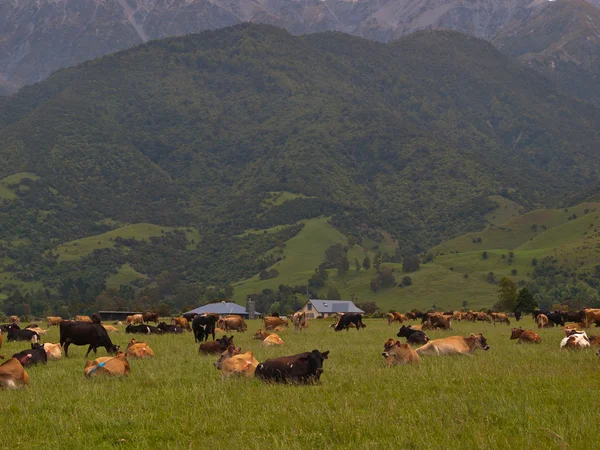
{"x": 228, "y": 353}
{"x": 387, "y": 345}
{"x": 113, "y": 349}
{"x": 516, "y": 333}
{"x": 404, "y": 331}
{"x": 480, "y": 341}
{"x": 315, "y": 361}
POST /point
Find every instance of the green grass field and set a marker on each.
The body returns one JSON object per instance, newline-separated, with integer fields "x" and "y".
{"x": 514, "y": 396}
{"x": 8, "y": 193}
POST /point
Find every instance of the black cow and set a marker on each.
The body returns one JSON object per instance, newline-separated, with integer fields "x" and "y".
{"x": 189, "y": 316}
{"x": 4, "y": 328}
{"x": 202, "y": 326}
{"x": 96, "y": 318}
{"x": 556, "y": 319}
{"x": 85, "y": 333}
{"x": 170, "y": 328}
{"x": 574, "y": 316}
{"x": 139, "y": 329}
{"x": 518, "y": 315}
{"x": 344, "y": 322}
{"x": 33, "y": 356}
{"x": 302, "y": 368}
{"x": 216, "y": 347}
{"x": 413, "y": 336}
{"x": 16, "y": 334}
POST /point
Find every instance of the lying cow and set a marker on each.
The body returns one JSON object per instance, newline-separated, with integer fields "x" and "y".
{"x": 413, "y": 336}
{"x": 301, "y": 368}
{"x": 15, "y": 334}
{"x": 137, "y": 349}
{"x": 525, "y": 336}
{"x": 139, "y": 329}
{"x": 53, "y": 351}
{"x": 110, "y": 328}
{"x": 346, "y": 320}
{"x": 399, "y": 353}
{"x": 233, "y": 362}
{"x": 13, "y": 375}
{"x": 270, "y": 322}
{"x": 181, "y": 322}
{"x": 170, "y": 328}
{"x": 261, "y": 335}
{"x": 86, "y": 319}
{"x": 454, "y": 345}
{"x": 272, "y": 340}
{"x": 575, "y": 340}
{"x": 115, "y": 366}
{"x": 37, "y": 330}
{"x": 32, "y": 356}
{"x": 216, "y": 347}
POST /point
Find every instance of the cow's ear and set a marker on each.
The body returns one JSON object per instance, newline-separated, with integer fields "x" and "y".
{"x": 325, "y": 354}
{"x": 472, "y": 335}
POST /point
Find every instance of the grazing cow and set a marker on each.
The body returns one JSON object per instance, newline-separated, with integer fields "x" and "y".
{"x": 482, "y": 317}
{"x": 137, "y": 349}
{"x": 413, "y": 336}
{"x": 150, "y": 317}
{"x": 232, "y": 322}
{"x": 116, "y": 366}
{"x": 396, "y": 317}
{"x": 129, "y": 320}
{"x": 411, "y": 316}
{"x": 470, "y": 316}
{"x": 203, "y": 325}
{"x": 300, "y": 321}
{"x": 525, "y": 336}
{"x": 457, "y": 315}
{"x": 82, "y": 333}
{"x": 53, "y": 351}
{"x": 346, "y": 320}
{"x": 518, "y": 315}
{"x": 233, "y": 362}
{"x": 52, "y": 320}
{"x": 14, "y": 320}
{"x": 271, "y": 340}
{"x": 454, "y": 345}
{"x": 86, "y": 319}
{"x": 591, "y": 316}
{"x": 15, "y": 334}
{"x": 301, "y": 368}
{"x": 181, "y": 322}
{"x": 170, "y": 328}
{"x": 271, "y": 322}
{"x": 34, "y": 355}
{"x": 556, "y": 318}
{"x": 110, "y": 328}
{"x": 216, "y": 347}
{"x": 138, "y": 329}
{"x": 261, "y": 335}
{"x": 541, "y": 320}
{"x": 189, "y": 316}
{"x": 400, "y": 353}
{"x": 500, "y": 318}
{"x": 13, "y": 375}
{"x": 575, "y": 340}
{"x": 137, "y": 319}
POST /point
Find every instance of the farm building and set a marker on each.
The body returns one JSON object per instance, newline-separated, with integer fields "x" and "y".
{"x": 326, "y": 308}
{"x": 222, "y": 309}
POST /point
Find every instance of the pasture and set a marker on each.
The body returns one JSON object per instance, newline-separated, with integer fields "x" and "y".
{"x": 513, "y": 396}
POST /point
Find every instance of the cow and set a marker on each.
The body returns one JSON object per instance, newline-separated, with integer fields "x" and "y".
{"x": 86, "y": 319}
{"x": 150, "y": 317}
{"x": 137, "y": 319}
{"x": 115, "y": 366}
{"x": 399, "y": 353}
{"x": 537, "y": 312}
{"x": 14, "y": 320}
{"x": 261, "y": 335}
{"x": 573, "y": 316}
{"x": 233, "y": 362}
{"x": 575, "y": 340}
{"x": 181, "y": 322}
{"x": 411, "y": 316}
{"x": 270, "y": 322}
{"x": 52, "y": 320}
{"x": 413, "y": 336}
{"x": 15, "y": 334}
{"x": 396, "y": 317}
{"x": 82, "y": 333}
{"x": 139, "y": 329}
{"x": 482, "y": 317}
{"x": 301, "y": 368}
{"x": 137, "y": 349}
{"x": 203, "y": 325}
{"x": 13, "y": 375}
{"x": 454, "y": 345}
{"x": 34, "y": 355}
{"x": 437, "y": 320}
{"x": 216, "y": 347}
{"x": 388, "y": 344}
{"x": 470, "y": 316}
{"x": 32, "y": 325}
{"x": 300, "y": 321}
{"x": 346, "y": 320}
{"x": 541, "y": 320}
{"x": 518, "y": 315}
{"x": 129, "y": 320}
{"x": 591, "y": 316}
{"x": 53, "y": 351}
{"x": 525, "y": 336}
{"x": 189, "y": 316}
{"x": 500, "y": 318}
{"x": 170, "y": 328}
{"x": 556, "y": 318}
{"x": 232, "y": 322}
{"x": 457, "y": 315}
{"x": 271, "y": 340}
{"x": 110, "y": 328}
{"x": 37, "y": 330}
{"x": 96, "y": 318}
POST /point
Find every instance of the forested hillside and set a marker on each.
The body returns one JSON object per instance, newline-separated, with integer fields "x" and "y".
{"x": 405, "y": 140}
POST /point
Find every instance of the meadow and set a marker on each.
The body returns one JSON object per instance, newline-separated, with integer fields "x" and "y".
{"x": 513, "y": 396}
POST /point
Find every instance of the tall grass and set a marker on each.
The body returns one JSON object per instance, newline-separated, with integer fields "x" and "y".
{"x": 514, "y": 396}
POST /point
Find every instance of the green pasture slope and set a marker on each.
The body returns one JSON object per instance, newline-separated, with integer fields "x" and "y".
{"x": 511, "y": 397}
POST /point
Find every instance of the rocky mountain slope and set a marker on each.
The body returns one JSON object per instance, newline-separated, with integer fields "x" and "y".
{"x": 38, "y": 37}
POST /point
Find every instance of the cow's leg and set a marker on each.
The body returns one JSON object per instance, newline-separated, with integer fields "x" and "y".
{"x": 66, "y": 348}
{"x": 90, "y": 349}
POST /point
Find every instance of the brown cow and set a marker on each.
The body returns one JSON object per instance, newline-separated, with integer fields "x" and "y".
{"x": 261, "y": 335}
{"x": 150, "y": 317}
{"x": 454, "y": 345}
{"x": 137, "y": 349}
{"x": 272, "y": 339}
{"x": 12, "y": 375}
{"x": 591, "y": 316}
{"x": 137, "y": 319}
{"x": 396, "y": 317}
{"x": 14, "y": 320}
{"x": 300, "y": 321}
{"x": 52, "y": 320}
{"x": 128, "y": 320}
{"x": 233, "y": 362}
{"x": 83, "y": 319}
{"x": 216, "y": 347}
{"x": 53, "y": 351}
{"x": 110, "y": 328}
{"x": 457, "y": 315}
{"x": 400, "y": 353}
{"x": 438, "y": 320}
{"x": 499, "y": 317}
{"x": 482, "y": 317}
{"x": 388, "y": 344}
{"x": 271, "y": 322}
{"x": 525, "y": 336}
{"x": 181, "y": 322}
{"x": 542, "y": 321}
{"x": 112, "y": 366}
{"x": 232, "y": 322}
